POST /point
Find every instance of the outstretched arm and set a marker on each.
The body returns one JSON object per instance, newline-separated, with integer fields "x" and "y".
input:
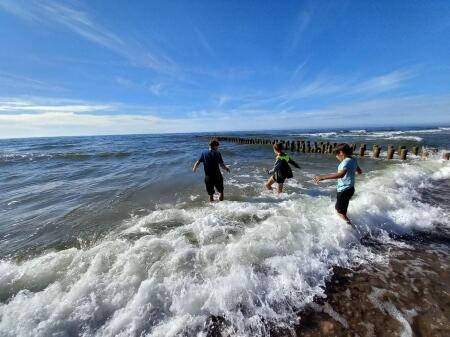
{"x": 293, "y": 163}
{"x": 329, "y": 176}
{"x": 196, "y": 165}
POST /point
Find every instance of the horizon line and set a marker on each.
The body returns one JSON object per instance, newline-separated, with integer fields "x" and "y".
{"x": 381, "y": 128}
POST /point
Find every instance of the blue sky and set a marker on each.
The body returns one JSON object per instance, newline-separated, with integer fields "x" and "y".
{"x": 117, "y": 67}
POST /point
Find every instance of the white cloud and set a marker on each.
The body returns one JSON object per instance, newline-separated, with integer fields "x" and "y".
{"x": 385, "y": 82}
{"x": 36, "y": 105}
{"x": 8, "y": 80}
{"x": 83, "y": 24}
{"x": 66, "y": 118}
{"x": 329, "y": 86}
{"x": 303, "y": 21}
{"x": 156, "y": 88}
{"x": 204, "y": 41}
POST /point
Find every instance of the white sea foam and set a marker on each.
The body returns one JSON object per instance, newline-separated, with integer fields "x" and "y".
{"x": 442, "y": 173}
{"x": 362, "y": 131}
{"x": 394, "y": 135}
{"x": 248, "y": 262}
{"x": 413, "y": 138}
{"x": 318, "y": 134}
{"x": 391, "y": 309}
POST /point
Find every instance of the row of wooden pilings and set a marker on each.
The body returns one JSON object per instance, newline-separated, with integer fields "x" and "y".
{"x": 306, "y": 146}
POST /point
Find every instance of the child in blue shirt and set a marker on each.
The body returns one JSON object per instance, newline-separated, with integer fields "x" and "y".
{"x": 211, "y": 160}
{"x": 345, "y": 179}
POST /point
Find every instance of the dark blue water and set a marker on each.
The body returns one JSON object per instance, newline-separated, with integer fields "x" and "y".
{"x": 119, "y": 223}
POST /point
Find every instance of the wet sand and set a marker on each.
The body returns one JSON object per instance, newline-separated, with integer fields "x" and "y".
{"x": 409, "y": 295}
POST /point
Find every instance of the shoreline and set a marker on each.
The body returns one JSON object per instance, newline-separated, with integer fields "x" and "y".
{"x": 409, "y": 296}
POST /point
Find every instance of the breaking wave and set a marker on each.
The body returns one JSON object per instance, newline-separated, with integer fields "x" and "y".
{"x": 252, "y": 264}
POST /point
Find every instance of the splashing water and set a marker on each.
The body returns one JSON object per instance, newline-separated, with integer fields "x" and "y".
{"x": 170, "y": 262}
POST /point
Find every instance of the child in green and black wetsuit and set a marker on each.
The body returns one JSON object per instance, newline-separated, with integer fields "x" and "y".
{"x": 281, "y": 170}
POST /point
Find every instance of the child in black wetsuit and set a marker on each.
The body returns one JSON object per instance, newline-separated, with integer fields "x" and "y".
{"x": 281, "y": 170}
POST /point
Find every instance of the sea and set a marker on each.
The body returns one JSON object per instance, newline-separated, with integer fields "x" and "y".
{"x": 113, "y": 236}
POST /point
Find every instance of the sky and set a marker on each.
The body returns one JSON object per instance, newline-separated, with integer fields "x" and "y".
{"x": 127, "y": 67}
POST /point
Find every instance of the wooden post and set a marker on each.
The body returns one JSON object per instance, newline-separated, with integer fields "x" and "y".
{"x": 292, "y": 145}
{"x": 298, "y": 146}
{"x": 403, "y": 154}
{"x": 376, "y": 151}
{"x": 303, "y": 146}
{"x": 308, "y": 146}
{"x": 446, "y": 156}
{"x": 390, "y": 152}
{"x": 362, "y": 149}
{"x": 330, "y": 148}
{"x": 324, "y": 148}
{"x": 415, "y": 150}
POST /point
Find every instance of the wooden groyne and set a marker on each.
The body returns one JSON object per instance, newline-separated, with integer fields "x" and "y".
{"x": 322, "y": 147}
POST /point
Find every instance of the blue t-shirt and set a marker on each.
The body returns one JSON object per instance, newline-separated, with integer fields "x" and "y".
{"x": 211, "y": 160}
{"x": 349, "y": 164}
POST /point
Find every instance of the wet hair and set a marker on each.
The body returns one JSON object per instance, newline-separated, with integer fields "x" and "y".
{"x": 344, "y": 148}
{"x": 278, "y": 147}
{"x": 214, "y": 143}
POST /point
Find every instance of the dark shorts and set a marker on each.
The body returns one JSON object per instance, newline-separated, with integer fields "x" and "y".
{"x": 343, "y": 199}
{"x": 212, "y": 182}
{"x": 278, "y": 179}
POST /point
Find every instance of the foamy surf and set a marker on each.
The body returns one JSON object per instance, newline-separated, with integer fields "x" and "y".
{"x": 254, "y": 264}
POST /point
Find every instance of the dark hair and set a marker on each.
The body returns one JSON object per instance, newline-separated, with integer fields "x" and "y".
{"x": 278, "y": 147}
{"x": 348, "y": 151}
{"x": 214, "y": 143}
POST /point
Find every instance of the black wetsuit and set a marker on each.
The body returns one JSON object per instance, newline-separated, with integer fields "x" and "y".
{"x": 211, "y": 160}
{"x": 281, "y": 170}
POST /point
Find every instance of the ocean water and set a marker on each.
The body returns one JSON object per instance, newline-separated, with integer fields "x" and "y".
{"x": 112, "y": 235}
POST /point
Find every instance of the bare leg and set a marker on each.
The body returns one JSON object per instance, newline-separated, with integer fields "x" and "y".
{"x": 344, "y": 217}
{"x": 221, "y": 196}
{"x": 269, "y": 183}
{"x": 211, "y": 198}
{"x": 280, "y": 188}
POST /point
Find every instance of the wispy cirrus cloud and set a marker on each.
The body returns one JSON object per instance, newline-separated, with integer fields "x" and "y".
{"x": 8, "y": 80}
{"x": 303, "y": 21}
{"x": 204, "y": 42}
{"x": 26, "y": 117}
{"x": 337, "y": 85}
{"x": 84, "y": 24}
{"x": 325, "y": 85}
{"x": 13, "y": 105}
{"x": 385, "y": 82}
